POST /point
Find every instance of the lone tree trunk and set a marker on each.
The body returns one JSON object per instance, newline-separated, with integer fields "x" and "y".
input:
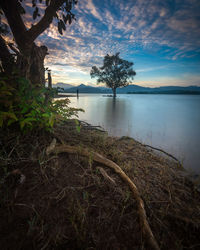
{"x": 114, "y": 92}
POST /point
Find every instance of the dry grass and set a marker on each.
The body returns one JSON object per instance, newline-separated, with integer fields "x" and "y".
{"x": 67, "y": 203}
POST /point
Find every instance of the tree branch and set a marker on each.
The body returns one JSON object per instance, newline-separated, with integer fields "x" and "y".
{"x": 13, "y": 49}
{"x": 45, "y": 21}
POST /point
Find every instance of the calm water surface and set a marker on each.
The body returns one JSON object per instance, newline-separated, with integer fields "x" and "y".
{"x": 170, "y": 122}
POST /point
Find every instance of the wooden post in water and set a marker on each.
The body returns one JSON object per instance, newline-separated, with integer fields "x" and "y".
{"x": 49, "y": 79}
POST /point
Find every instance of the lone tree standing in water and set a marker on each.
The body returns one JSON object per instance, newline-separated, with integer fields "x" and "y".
{"x": 115, "y": 72}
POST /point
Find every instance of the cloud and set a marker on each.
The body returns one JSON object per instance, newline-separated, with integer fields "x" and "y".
{"x": 88, "y": 7}
{"x": 130, "y": 27}
{"x": 152, "y": 68}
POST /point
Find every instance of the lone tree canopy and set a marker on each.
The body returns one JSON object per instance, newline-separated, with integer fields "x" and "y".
{"x": 115, "y": 72}
{"x": 28, "y": 58}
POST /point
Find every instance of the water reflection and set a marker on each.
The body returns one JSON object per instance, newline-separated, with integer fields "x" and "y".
{"x": 170, "y": 122}
{"x": 114, "y": 115}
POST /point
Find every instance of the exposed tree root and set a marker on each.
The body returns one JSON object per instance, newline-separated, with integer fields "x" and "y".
{"x": 161, "y": 150}
{"x": 91, "y": 127}
{"x": 146, "y": 230}
{"x": 106, "y": 176}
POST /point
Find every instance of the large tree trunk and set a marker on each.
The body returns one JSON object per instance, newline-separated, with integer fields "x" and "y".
{"x": 31, "y": 65}
{"x": 114, "y": 92}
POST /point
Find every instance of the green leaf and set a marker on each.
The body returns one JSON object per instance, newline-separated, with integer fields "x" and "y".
{"x": 46, "y": 115}
{"x": 35, "y": 13}
{"x": 60, "y": 28}
{"x": 33, "y": 3}
{"x": 10, "y": 122}
{"x": 78, "y": 129}
{"x": 62, "y": 25}
{"x": 33, "y": 113}
{"x": 51, "y": 120}
{"x": 69, "y": 18}
{"x": 77, "y": 122}
{"x": 25, "y": 109}
{"x": 21, "y": 9}
{"x": 64, "y": 18}
{"x": 10, "y": 115}
{"x": 47, "y": 2}
{"x": 27, "y": 121}
{"x": 21, "y": 123}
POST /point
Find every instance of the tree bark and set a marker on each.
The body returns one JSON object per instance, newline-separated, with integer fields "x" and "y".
{"x": 7, "y": 60}
{"x": 31, "y": 65}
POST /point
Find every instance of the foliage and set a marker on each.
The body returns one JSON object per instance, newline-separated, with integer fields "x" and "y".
{"x": 27, "y": 107}
{"x": 61, "y": 108}
{"x": 62, "y": 10}
{"x": 115, "y": 72}
{"x": 65, "y": 9}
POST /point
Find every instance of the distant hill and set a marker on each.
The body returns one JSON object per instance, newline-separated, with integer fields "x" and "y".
{"x": 135, "y": 89}
{"x": 88, "y": 89}
{"x": 62, "y": 85}
{"x": 132, "y": 88}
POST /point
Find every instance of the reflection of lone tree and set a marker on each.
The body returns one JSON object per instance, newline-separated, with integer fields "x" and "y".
{"x": 115, "y": 72}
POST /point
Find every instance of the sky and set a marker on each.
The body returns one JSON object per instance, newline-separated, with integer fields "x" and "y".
{"x": 161, "y": 37}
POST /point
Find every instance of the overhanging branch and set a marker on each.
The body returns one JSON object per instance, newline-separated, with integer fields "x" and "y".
{"x": 45, "y": 21}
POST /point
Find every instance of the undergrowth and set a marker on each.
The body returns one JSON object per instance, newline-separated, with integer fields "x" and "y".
{"x": 27, "y": 107}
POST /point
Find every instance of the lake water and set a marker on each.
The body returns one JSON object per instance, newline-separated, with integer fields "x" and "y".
{"x": 169, "y": 122}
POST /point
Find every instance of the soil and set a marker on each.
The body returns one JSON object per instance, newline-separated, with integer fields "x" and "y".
{"x": 65, "y": 201}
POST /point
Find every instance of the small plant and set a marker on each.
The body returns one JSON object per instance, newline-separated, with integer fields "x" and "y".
{"x": 28, "y": 107}
{"x": 61, "y": 108}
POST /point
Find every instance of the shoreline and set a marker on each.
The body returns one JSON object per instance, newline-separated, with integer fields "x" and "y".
{"x": 73, "y": 195}
{"x": 193, "y": 177}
